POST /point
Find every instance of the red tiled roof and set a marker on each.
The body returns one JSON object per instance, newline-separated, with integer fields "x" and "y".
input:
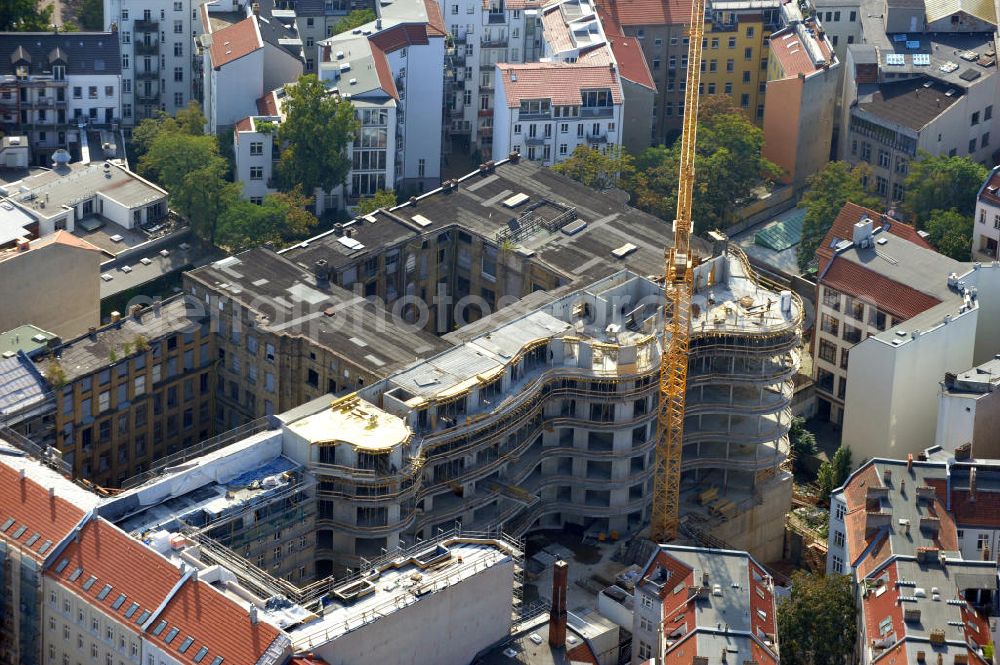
{"x": 234, "y": 41}
{"x": 435, "y": 19}
{"x": 563, "y": 83}
{"x": 201, "y": 612}
{"x": 30, "y": 505}
{"x": 384, "y": 72}
{"x": 789, "y": 51}
{"x": 582, "y": 653}
{"x": 267, "y": 105}
{"x": 628, "y": 52}
{"x": 890, "y": 296}
{"x": 984, "y": 511}
{"x": 993, "y": 198}
{"x": 112, "y": 557}
{"x": 843, "y": 229}
{"x": 65, "y": 238}
{"x": 651, "y": 12}
{"x": 398, "y": 36}
{"x": 244, "y": 125}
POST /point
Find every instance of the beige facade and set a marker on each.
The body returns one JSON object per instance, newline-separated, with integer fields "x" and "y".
{"x": 77, "y": 631}
{"x": 52, "y": 283}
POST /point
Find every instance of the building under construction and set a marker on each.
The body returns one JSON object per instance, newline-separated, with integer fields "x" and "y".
{"x": 545, "y": 415}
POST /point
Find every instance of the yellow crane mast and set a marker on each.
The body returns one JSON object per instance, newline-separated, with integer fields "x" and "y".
{"x": 677, "y": 310}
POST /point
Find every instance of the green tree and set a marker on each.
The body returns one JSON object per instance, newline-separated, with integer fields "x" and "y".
{"x": 317, "y": 129}
{"x": 243, "y": 225}
{"x": 383, "y": 198}
{"x": 91, "y": 15}
{"x": 355, "y": 19}
{"x": 189, "y": 120}
{"x": 24, "y": 16}
{"x": 728, "y": 167}
{"x": 817, "y": 623}
{"x": 292, "y": 209}
{"x": 828, "y": 191}
{"x": 825, "y": 480}
{"x": 597, "y": 169}
{"x": 942, "y": 183}
{"x": 951, "y": 233}
{"x": 841, "y": 464}
{"x": 802, "y": 441}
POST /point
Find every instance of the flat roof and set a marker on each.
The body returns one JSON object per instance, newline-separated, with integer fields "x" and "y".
{"x": 581, "y": 252}
{"x": 46, "y": 193}
{"x": 26, "y": 338}
{"x": 14, "y": 222}
{"x": 292, "y": 303}
{"x": 399, "y": 584}
{"x": 358, "y": 423}
{"x": 912, "y": 104}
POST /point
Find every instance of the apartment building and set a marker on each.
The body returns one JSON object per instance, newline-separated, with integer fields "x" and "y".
{"x": 551, "y": 108}
{"x": 244, "y": 53}
{"x": 986, "y": 230}
{"x": 133, "y": 391}
{"x": 923, "y": 79}
{"x": 803, "y": 83}
{"x": 255, "y": 155}
{"x": 157, "y": 42}
{"x": 35, "y": 520}
{"x": 51, "y": 84}
{"x": 850, "y": 305}
{"x": 913, "y": 537}
{"x": 968, "y": 409}
{"x": 85, "y": 194}
{"x": 709, "y": 588}
{"x": 64, "y": 268}
{"x": 841, "y": 21}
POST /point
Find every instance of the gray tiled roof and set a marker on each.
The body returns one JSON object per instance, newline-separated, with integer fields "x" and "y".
{"x": 84, "y": 52}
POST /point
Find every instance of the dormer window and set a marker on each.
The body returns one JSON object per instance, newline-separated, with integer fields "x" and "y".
{"x": 596, "y": 98}
{"x": 59, "y": 72}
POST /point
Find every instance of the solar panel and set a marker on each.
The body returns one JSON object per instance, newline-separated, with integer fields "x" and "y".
{"x": 899, "y": 38}
{"x": 912, "y": 44}
{"x": 895, "y": 59}
{"x": 921, "y": 59}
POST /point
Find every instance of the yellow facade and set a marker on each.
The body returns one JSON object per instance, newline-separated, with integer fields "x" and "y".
{"x": 735, "y": 59}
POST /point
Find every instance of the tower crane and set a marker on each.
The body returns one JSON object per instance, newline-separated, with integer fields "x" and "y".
{"x": 677, "y": 309}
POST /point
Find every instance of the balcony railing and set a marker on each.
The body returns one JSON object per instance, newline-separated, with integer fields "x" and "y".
{"x": 147, "y": 75}
{"x": 146, "y": 26}
{"x": 147, "y": 97}
{"x": 597, "y": 111}
{"x": 497, "y": 18}
{"x": 144, "y": 48}
{"x": 597, "y": 138}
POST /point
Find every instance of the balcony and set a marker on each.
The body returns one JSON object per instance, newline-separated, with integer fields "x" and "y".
{"x": 497, "y": 18}
{"x": 597, "y": 138}
{"x": 147, "y": 48}
{"x": 147, "y": 97}
{"x": 147, "y": 75}
{"x": 494, "y": 42}
{"x": 597, "y": 112}
{"x": 141, "y": 26}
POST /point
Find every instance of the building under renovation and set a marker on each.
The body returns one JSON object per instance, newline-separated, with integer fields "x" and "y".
{"x": 544, "y": 415}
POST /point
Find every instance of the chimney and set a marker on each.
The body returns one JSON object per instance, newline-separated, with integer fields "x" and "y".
{"x": 256, "y": 9}
{"x": 964, "y": 451}
{"x": 253, "y": 615}
{"x": 135, "y": 311}
{"x": 322, "y": 272}
{"x": 23, "y": 244}
{"x": 909, "y": 461}
{"x": 887, "y": 477}
{"x": 156, "y": 304}
{"x": 92, "y": 332}
{"x": 986, "y": 553}
{"x": 378, "y": 24}
{"x": 557, "y": 616}
{"x": 116, "y": 316}
{"x": 21, "y": 475}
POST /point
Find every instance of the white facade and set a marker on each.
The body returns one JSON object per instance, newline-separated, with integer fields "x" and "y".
{"x": 254, "y": 156}
{"x": 986, "y": 230}
{"x": 157, "y": 46}
{"x": 538, "y": 129}
{"x": 417, "y": 71}
{"x": 841, "y": 19}
{"x": 232, "y": 90}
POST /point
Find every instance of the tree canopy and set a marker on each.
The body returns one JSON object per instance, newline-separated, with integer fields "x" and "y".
{"x": 834, "y": 473}
{"x": 817, "y": 624}
{"x": 355, "y": 19}
{"x": 91, "y": 15}
{"x": 281, "y": 216}
{"x": 315, "y": 134}
{"x": 802, "y": 441}
{"x": 828, "y": 191}
{"x": 597, "y": 169}
{"x": 383, "y": 198}
{"x": 942, "y": 183}
{"x": 188, "y": 120}
{"x": 728, "y": 167}
{"x": 24, "y": 16}
{"x": 951, "y": 233}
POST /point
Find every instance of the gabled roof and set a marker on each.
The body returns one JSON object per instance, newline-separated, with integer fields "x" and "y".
{"x": 649, "y": 12}
{"x": 32, "y": 519}
{"x": 117, "y": 574}
{"x": 200, "y": 612}
{"x": 235, "y": 41}
{"x": 990, "y": 190}
{"x": 981, "y": 9}
{"x": 890, "y": 296}
{"x": 632, "y": 63}
{"x": 563, "y": 83}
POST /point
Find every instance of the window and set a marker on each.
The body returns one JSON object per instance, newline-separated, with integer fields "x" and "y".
{"x": 256, "y": 148}
{"x": 745, "y": 100}
{"x": 982, "y": 541}
{"x": 829, "y": 324}
{"x": 827, "y": 351}
{"x": 732, "y": 42}
{"x": 988, "y": 112}
{"x": 839, "y": 511}
{"x": 838, "y": 538}
{"x": 178, "y": 99}
{"x": 749, "y": 31}
{"x": 178, "y": 27}
{"x": 884, "y": 159}
{"x": 517, "y": 128}
{"x": 972, "y": 146}
{"x": 421, "y": 167}
{"x": 985, "y": 140}
{"x": 975, "y": 119}
{"x": 645, "y": 651}
{"x": 563, "y": 149}
{"x": 748, "y": 53}
{"x": 837, "y": 566}
{"x": 124, "y": 60}
{"x": 852, "y": 334}
{"x": 178, "y": 73}
{"x": 897, "y": 191}
{"x": 882, "y": 184}
{"x": 256, "y": 172}
{"x": 647, "y": 601}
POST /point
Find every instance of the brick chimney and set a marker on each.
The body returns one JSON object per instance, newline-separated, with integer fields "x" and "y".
{"x": 557, "y": 616}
